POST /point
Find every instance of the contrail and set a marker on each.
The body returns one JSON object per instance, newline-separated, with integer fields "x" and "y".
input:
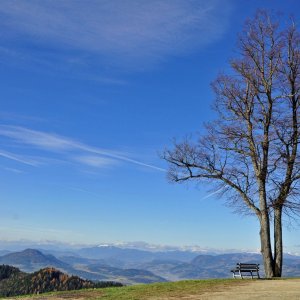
{"x": 211, "y": 194}
{"x": 123, "y": 158}
{"x": 53, "y": 143}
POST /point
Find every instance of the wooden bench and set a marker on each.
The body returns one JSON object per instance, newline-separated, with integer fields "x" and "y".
{"x": 246, "y": 269}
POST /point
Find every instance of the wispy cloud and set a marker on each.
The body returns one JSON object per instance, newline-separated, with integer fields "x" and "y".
{"x": 116, "y": 31}
{"x": 95, "y": 161}
{"x": 17, "y": 171}
{"x": 211, "y": 194}
{"x": 37, "y": 138}
{"x": 72, "y": 149}
{"x": 19, "y": 158}
{"x": 8, "y": 117}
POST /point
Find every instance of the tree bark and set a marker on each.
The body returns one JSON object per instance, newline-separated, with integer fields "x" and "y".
{"x": 278, "y": 242}
{"x": 266, "y": 249}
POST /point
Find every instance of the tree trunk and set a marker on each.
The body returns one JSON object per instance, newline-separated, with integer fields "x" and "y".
{"x": 278, "y": 242}
{"x": 266, "y": 249}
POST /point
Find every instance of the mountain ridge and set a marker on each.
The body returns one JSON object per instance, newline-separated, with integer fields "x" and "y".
{"x": 30, "y": 260}
{"x": 132, "y": 267}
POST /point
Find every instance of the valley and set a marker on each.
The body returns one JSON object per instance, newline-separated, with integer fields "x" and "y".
{"x": 134, "y": 266}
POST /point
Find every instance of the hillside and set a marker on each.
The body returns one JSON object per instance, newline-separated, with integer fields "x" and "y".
{"x": 13, "y": 282}
{"x": 201, "y": 267}
{"x": 31, "y": 260}
{"x": 214, "y": 266}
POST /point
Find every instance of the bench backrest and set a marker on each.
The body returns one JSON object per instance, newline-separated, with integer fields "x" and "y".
{"x": 248, "y": 266}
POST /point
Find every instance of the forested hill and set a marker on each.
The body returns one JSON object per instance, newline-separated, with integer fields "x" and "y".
{"x": 13, "y": 282}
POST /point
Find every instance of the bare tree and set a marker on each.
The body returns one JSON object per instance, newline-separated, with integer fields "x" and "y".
{"x": 251, "y": 151}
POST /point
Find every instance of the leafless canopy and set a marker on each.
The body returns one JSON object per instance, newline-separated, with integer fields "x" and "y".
{"x": 251, "y": 150}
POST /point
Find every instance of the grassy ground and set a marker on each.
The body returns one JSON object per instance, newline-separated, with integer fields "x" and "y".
{"x": 167, "y": 290}
{"x": 158, "y": 291}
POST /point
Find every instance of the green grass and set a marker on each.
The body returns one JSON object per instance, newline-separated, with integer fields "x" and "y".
{"x": 155, "y": 291}
{"x": 162, "y": 290}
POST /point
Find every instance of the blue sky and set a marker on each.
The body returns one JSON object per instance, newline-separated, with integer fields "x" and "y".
{"x": 91, "y": 92}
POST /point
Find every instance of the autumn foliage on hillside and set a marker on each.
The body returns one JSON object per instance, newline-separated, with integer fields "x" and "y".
{"x": 14, "y": 282}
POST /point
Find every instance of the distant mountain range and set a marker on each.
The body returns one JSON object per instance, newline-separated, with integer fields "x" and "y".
{"x": 31, "y": 260}
{"x": 132, "y": 266}
{"x": 127, "y": 255}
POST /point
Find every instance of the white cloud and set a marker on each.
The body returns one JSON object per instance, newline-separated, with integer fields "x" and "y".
{"x": 36, "y": 138}
{"x": 72, "y": 149}
{"x": 95, "y": 161}
{"x": 131, "y": 31}
{"x": 19, "y": 158}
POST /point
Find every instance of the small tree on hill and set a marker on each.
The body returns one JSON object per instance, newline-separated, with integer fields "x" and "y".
{"x": 251, "y": 151}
